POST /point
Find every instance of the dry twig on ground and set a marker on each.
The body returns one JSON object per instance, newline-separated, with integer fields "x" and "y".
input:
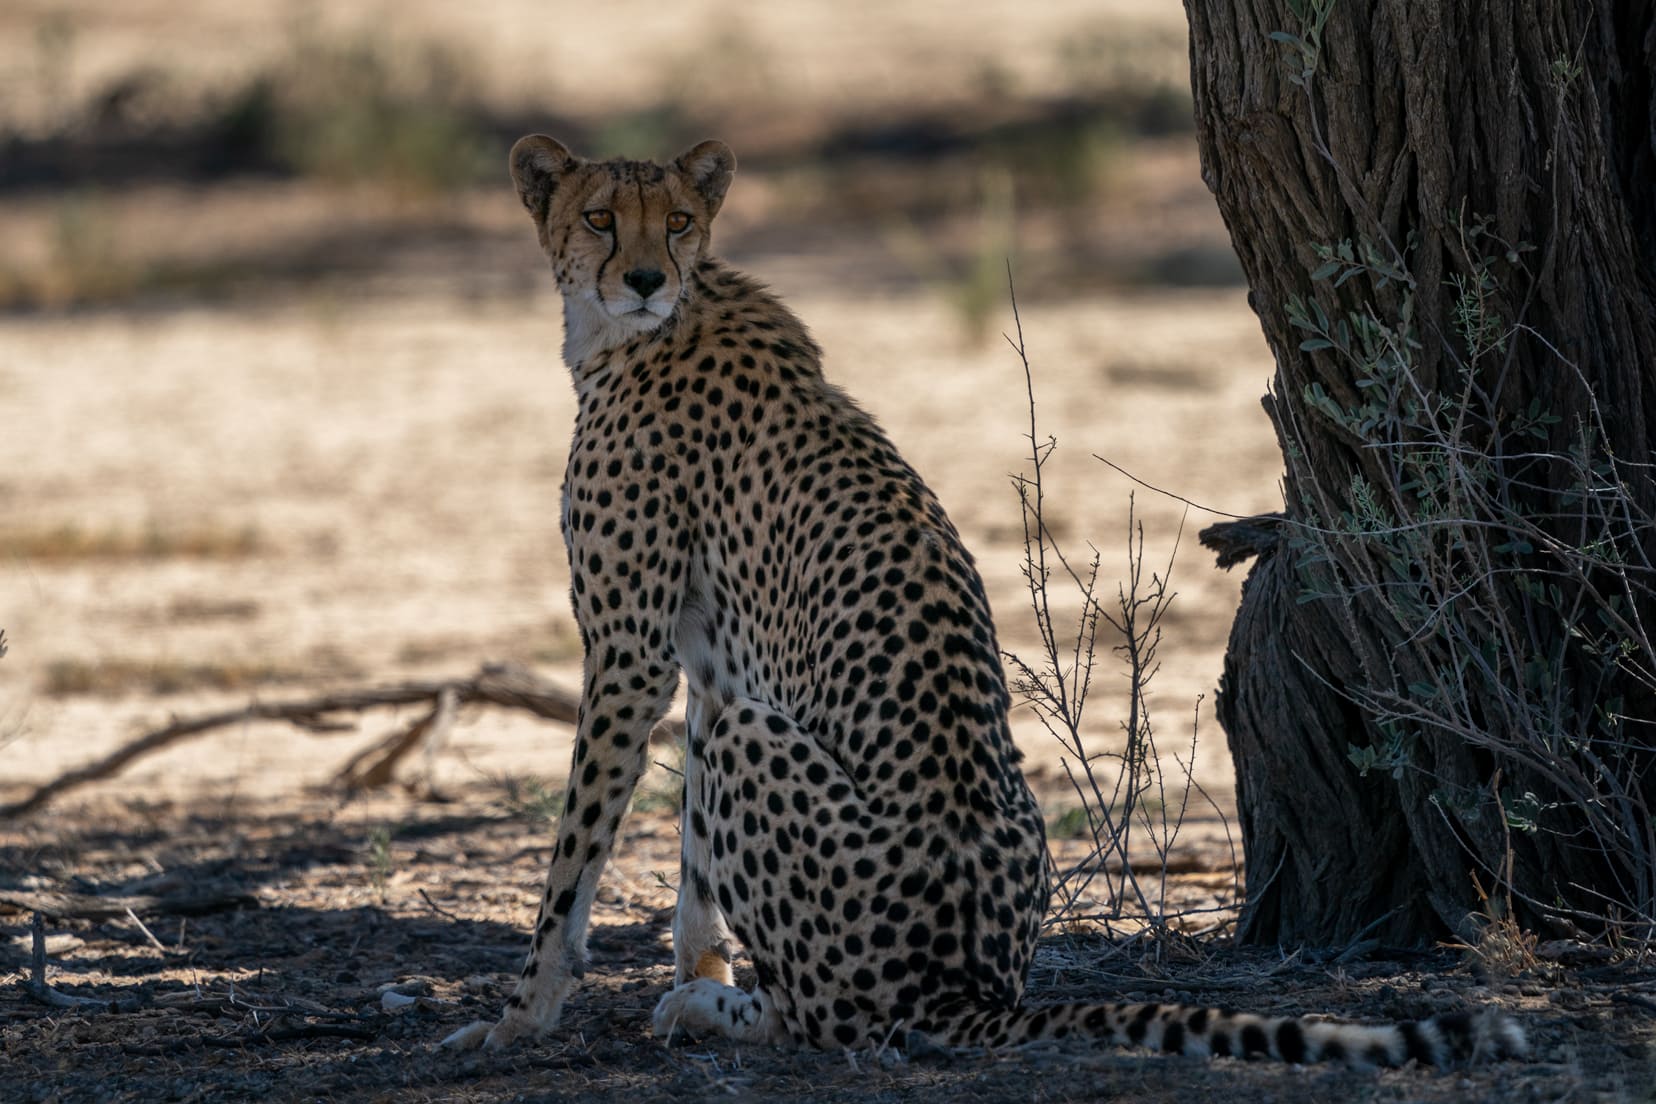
{"x": 507, "y": 686}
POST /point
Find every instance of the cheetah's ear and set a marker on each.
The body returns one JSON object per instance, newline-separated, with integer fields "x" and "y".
{"x": 537, "y": 163}
{"x": 709, "y": 166}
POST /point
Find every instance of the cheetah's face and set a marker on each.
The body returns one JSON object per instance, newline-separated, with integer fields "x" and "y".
{"x": 622, "y": 236}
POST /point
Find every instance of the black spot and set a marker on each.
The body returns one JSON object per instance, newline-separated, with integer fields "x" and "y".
{"x": 1456, "y": 1030}
{"x": 1254, "y": 1041}
{"x": 1415, "y": 1045}
{"x": 1173, "y": 1038}
{"x": 1291, "y": 1042}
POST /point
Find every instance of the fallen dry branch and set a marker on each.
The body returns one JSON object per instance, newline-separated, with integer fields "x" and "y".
{"x": 374, "y": 765}
{"x": 86, "y": 906}
{"x": 507, "y": 686}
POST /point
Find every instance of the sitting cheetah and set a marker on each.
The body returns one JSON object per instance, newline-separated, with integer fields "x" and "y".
{"x": 854, "y": 811}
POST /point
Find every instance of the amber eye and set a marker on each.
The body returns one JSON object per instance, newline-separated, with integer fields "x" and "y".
{"x": 678, "y": 222}
{"x": 600, "y": 220}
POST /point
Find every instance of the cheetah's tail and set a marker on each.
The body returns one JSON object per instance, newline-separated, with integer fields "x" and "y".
{"x": 1179, "y": 1029}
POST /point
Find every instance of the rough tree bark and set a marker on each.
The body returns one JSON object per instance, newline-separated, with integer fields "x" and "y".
{"x": 1491, "y": 167}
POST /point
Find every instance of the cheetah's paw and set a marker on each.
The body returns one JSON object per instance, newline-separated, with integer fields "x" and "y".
{"x": 483, "y": 1035}
{"x": 704, "y": 1007}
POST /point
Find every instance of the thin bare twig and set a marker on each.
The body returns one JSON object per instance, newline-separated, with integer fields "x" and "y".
{"x": 435, "y": 907}
{"x": 1057, "y": 684}
{"x": 149, "y": 935}
{"x": 1174, "y": 495}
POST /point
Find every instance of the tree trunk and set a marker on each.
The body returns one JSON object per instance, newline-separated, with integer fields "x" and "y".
{"x": 1442, "y": 681}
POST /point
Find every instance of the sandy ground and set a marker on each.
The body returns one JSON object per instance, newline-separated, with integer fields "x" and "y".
{"x": 376, "y": 484}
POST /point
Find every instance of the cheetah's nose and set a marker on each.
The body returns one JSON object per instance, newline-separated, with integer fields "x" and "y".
{"x": 644, "y": 281}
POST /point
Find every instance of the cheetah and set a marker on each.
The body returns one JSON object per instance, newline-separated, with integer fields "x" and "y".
{"x": 855, "y": 815}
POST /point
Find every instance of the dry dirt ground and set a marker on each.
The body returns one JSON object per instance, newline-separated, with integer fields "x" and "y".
{"x": 304, "y": 916}
{"x": 352, "y": 479}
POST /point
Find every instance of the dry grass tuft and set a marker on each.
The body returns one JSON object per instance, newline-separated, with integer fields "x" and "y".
{"x": 112, "y": 677}
{"x": 73, "y": 543}
{"x": 1501, "y": 948}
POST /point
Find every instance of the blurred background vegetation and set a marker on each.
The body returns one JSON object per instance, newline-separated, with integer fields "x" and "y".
{"x": 194, "y": 151}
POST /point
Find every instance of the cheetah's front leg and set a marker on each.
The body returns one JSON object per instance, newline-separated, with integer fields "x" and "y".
{"x": 622, "y": 701}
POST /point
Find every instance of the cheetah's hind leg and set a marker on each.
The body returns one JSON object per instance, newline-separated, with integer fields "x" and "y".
{"x": 702, "y": 941}
{"x": 706, "y": 1007}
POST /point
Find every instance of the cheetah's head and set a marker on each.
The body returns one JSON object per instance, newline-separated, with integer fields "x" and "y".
{"x": 622, "y": 236}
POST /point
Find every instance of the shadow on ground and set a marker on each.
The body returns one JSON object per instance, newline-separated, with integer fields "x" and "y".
{"x": 284, "y": 1000}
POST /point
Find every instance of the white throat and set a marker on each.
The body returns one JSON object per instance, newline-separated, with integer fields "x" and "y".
{"x": 589, "y": 329}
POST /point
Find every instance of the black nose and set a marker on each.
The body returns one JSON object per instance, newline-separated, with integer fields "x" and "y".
{"x": 644, "y": 280}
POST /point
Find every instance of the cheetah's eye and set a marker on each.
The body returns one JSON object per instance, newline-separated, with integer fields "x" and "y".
{"x": 600, "y": 220}
{"x": 678, "y": 222}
